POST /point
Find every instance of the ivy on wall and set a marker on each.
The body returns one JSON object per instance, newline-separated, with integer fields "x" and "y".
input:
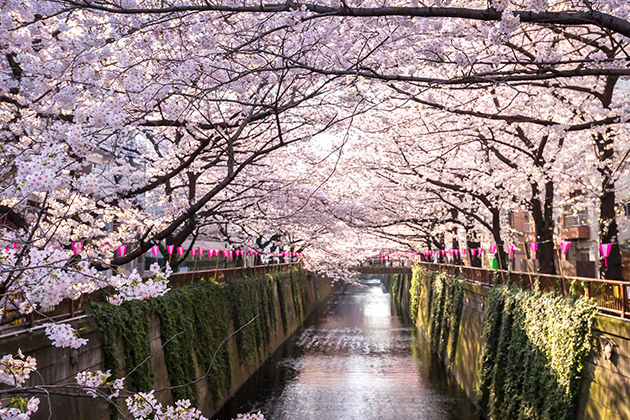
{"x": 250, "y": 297}
{"x": 194, "y": 320}
{"x": 125, "y": 338}
{"x": 445, "y": 313}
{"x": 296, "y": 292}
{"x": 282, "y": 300}
{"x": 395, "y": 286}
{"x": 534, "y": 349}
{"x": 418, "y": 278}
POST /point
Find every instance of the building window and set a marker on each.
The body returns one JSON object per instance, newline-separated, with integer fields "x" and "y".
{"x": 579, "y": 219}
{"x": 626, "y": 208}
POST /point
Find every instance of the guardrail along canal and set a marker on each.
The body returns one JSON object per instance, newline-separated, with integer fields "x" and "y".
{"x": 355, "y": 358}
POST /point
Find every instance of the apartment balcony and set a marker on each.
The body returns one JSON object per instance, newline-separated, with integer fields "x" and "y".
{"x": 575, "y": 227}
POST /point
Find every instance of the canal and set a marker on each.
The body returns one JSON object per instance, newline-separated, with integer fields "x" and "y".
{"x": 355, "y": 358}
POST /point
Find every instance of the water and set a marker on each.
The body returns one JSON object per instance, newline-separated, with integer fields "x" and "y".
{"x": 354, "y": 359}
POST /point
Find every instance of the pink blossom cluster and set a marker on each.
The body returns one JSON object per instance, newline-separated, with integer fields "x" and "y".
{"x": 250, "y": 416}
{"x": 63, "y": 335}
{"x": 133, "y": 287}
{"x": 46, "y": 280}
{"x": 15, "y": 370}
{"x": 19, "y": 409}
{"x": 91, "y": 380}
{"x": 142, "y": 405}
{"x": 509, "y": 22}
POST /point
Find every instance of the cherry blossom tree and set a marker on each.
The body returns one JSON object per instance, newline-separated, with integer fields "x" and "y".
{"x": 138, "y": 123}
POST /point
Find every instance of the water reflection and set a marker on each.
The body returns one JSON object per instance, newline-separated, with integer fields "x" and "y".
{"x": 353, "y": 360}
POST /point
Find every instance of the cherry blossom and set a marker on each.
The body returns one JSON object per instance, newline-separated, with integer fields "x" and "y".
{"x": 63, "y": 335}
{"x": 15, "y": 370}
{"x": 19, "y": 409}
{"x": 90, "y": 381}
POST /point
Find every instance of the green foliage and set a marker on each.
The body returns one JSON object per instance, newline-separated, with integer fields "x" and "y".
{"x": 306, "y": 300}
{"x": 194, "y": 320}
{"x": 192, "y": 325}
{"x": 417, "y": 278}
{"x": 250, "y": 298}
{"x": 125, "y": 334}
{"x": 534, "y": 347}
{"x": 445, "y": 312}
{"x": 296, "y": 292}
{"x": 282, "y": 299}
{"x": 395, "y": 287}
{"x": 456, "y": 298}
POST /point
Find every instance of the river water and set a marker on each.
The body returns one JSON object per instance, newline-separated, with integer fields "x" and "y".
{"x": 355, "y": 358}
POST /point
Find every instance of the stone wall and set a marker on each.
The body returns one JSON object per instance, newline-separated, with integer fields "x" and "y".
{"x": 59, "y": 366}
{"x": 605, "y": 393}
{"x": 605, "y": 390}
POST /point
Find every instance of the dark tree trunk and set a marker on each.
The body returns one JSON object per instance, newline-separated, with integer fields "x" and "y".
{"x": 608, "y": 230}
{"x": 473, "y": 244}
{"x": 496, "y": 234}
{"x": 543, "y": 220}
{"x": 457, "y": 260}
{"x": 608, "y": 233}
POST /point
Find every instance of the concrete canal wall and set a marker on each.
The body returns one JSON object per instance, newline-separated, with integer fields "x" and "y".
{"x": 282, "y": 302}
{"x": 605, "y": 385}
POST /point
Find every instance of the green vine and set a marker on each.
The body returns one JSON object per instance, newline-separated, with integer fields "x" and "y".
{"x": 250, "y": 299}
{"x": 296, "y": 292}
{"x": 394, "y": 288}
{"x": 124, "y": 331}
{"x": 534, "y": 348}
{"x": 193, "y": 321}
{"x": 447, "y": 297}
{"x": 306, "y": 300}
{"x": 282, "y": 299}
{"x": 418, "y": 277}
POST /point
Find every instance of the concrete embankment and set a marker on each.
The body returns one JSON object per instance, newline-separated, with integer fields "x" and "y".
{"x": 604, "y": 388}
{"x": 196, "y": 319}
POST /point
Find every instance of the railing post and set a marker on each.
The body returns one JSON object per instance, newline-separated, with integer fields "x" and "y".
{"x": 624, "y": 299}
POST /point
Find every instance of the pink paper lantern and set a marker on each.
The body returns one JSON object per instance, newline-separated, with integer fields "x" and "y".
{"x": 77, "y": 247}
{"x": 605, "y": 250}
{"x": 122, "y": 250}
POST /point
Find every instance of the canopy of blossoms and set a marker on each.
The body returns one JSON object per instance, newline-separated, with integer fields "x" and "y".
{"x": 343, "y": 129}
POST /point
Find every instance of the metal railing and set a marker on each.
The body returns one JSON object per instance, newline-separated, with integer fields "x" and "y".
{"x": 222, "y": 275}
{"x": 71, "y": 308}
{"x": 611, "y": 296}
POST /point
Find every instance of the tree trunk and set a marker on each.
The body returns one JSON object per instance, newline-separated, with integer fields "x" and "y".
{"x": 611, "y": 268}
{"x": 543, "y": 219}
{"x": 457, "y": 260}
{"x": 608, "y": 231}
{"x": 496, "y": 234}
{"x": 476, "y": 261}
